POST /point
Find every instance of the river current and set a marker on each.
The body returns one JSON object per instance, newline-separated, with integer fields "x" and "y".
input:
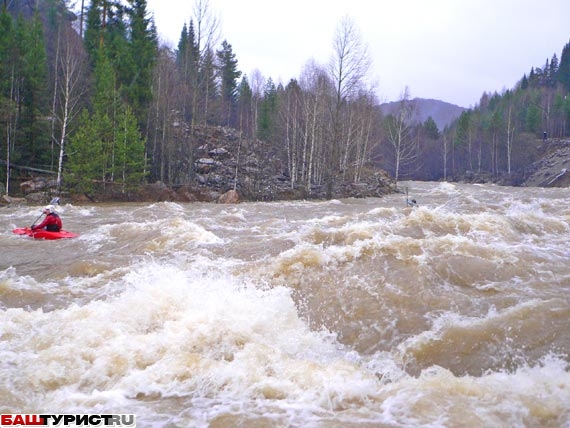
{"x": 332, "y": 314}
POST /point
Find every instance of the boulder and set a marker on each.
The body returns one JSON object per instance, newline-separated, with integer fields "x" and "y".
{"x": 13, "y": 201}
{"x": 34, "y": 185}
{"x": 230, "y": 197}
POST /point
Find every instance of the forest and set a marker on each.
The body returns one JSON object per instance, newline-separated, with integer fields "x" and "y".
{"x": 92, "y": 100}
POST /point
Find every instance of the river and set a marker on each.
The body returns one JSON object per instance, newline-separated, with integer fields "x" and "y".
{"x": 332, "y": 314}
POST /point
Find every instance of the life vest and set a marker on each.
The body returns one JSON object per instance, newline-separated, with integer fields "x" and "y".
{"x": 52, "y": 223}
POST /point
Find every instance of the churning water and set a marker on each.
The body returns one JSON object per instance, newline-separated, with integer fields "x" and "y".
{"x": 345, "y": 313}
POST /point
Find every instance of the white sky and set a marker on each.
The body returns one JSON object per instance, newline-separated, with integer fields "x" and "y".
{"x": 451, "y": 50}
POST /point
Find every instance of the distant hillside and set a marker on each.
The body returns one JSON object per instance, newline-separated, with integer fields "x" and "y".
{"x": 441, "y": 112}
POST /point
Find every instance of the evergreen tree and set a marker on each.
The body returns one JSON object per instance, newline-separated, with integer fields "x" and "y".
{"x": 182, "y": 47}
{"x": 267, "y": 116}
{"x": 118, "y": 49}
{"x": 94, "y": 31}
{"x": 86, "y": 155}
{"x": 563, "y": 74}
{"x": 188, "y": 55}
{"x": 553, "y": 68}
{"x": 430, "y": 129}
{"x": 208, "y": 88}
{"x": 245, "y": 113}
{"x": 533, "y": 121}
{"x": 143, "y": 53}
{"x": 524, "y": 82}
{"x": 34, "y": 138}
{"x": 129, "y": 162}
{"x": 229, "y": 75}
{"x": 105, "y": 97}
{"x": 7, "y": 104}
{"x": 188, "y": 61}
{"x": 7, "y": 59}
{"x": 108, "y": 147}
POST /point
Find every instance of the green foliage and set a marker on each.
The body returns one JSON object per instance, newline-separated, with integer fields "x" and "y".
{"x": 24, "y": 82}
{"x": 131, "y": 94}
{"x": 188, "y": 55}
{"x": 143, "y": 51}
{"x": 267, "y": 115}
{"x": 105, "y": 152}
{"x": 533, "y": 119}
{"x": 563, "y": 74}
{"x": 85, "y": 151}
{"x": 130, "y": 162}
{"x": 7, "y": 53}
{"x": 229, "y": 75}
{"x": 430, "y": 128}
{"x": 94, "y": 33}
{"x": 7, "y": 106}
{"x": 127, "y": 37}
{"x": 463, "y": 128}
{"x": 208, "y": 90}
{"x": 105, "y": 97}
{"x": 108, "y": 147}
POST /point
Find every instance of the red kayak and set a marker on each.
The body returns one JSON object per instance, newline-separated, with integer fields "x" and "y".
{"x": 44, "y": 234}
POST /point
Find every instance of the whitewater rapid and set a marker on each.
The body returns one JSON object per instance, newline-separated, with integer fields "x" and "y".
{"x": 343, "y": 313}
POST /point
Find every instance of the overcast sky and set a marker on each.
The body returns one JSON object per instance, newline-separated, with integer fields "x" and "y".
{"x": 451, "y": 50}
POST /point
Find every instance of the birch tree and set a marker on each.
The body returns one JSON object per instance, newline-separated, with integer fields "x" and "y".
{"x": 398, "y": 127}
{"x": 70, "y": 88}
{"x": 348, "y": 68}
{"x": 316, "y": 86}
{"x": 207, "y": 34}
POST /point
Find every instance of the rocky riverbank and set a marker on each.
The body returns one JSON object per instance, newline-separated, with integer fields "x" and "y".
{"x": 227, "y": 169}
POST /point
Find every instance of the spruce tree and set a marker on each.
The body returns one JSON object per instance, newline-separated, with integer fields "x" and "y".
{"x": 188, "y": 63}
{"x": 34, "y": 143}
{"x": 207, "y": 90}
{"x": 229, "y": 75}
{"x": 94, "y": 31}
{"x": 7, "y": 105}
{"x": 267, "y": 115}
{"x": 245, "y": 100}
{"x": 108, "y": 147}
{"x": 143, "y": 46}
{"x": 430, "y": 128}
{"x": 563, "y": 74}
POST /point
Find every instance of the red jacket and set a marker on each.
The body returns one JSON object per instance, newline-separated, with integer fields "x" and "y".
{"x": 52, "y": 222}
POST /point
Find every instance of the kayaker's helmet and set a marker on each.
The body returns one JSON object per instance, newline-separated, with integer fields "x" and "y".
{"x": 49, "y": 209}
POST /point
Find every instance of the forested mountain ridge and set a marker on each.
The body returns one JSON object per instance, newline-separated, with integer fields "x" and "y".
{"x": 96, "y": 102}
{"x": 443, "y": 113}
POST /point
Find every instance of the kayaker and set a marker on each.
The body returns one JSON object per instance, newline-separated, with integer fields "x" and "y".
{"x": 52, "y": 222}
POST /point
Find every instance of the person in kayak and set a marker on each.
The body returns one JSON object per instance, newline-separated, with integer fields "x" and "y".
{"x": 52, "y": 222}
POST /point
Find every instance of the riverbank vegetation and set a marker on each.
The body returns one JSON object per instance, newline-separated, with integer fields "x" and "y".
{"x": 91, "y": 99}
